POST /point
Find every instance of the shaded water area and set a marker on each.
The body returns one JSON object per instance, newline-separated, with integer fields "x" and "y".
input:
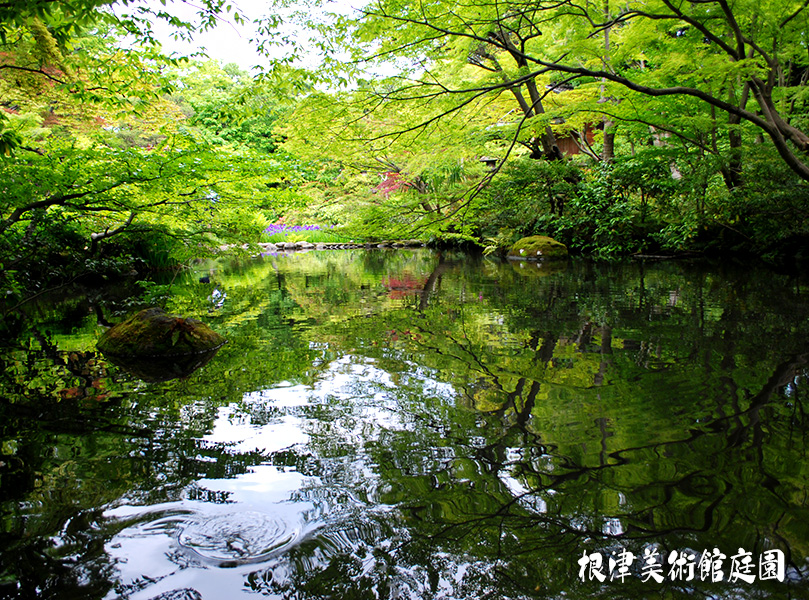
{"x": 417, "y": 425}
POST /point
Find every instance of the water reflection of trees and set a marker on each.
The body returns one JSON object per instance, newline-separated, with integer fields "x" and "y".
{"x": 504, "y": 499}
{"x": 505, "y": 423}
{"x": 711, "y": 468}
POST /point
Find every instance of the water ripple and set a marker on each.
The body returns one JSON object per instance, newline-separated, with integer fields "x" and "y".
{"x": 231, "y": 539}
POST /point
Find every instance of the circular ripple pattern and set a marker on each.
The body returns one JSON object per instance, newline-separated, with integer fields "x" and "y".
{"x": 238, "y": 538}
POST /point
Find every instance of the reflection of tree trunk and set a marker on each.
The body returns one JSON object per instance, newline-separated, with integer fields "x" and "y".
{"x": 525, "y": 414}
{"x": 49, "y": 349}
{"x": 100, "y": 315}
{"x": 727, "y": 387}
{"x": 606, "y": 351}
{"x": 641, "y": 285}
{"x": 602, "y": 423}
{"x": 784, "y": 374}
{"x": 543, "y": 344}
{"x": 280, "y": 279}
{"x": 606, "y": 340}
{"x": 545, "y": 353}
{"x": 432, "y": 281}
{"x": 585, "y": 336}
{"x": 495, "y": 453}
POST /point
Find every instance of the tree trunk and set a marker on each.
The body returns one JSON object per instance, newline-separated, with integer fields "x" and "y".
{"x": 608, "y": 150}
{"x": 547, "y": 138}
{"x": 733, "y": 173}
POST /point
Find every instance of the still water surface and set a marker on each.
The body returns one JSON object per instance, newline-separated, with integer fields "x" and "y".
{"x": 415, "y": 425}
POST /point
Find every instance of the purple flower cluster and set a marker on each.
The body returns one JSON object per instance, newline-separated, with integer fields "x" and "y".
{"x": 285, "y": 229}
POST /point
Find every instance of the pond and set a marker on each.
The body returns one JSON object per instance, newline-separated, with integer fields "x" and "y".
{"x": 414, "y": 424}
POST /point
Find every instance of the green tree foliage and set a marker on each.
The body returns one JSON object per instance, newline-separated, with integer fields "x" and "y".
{"x": 229, "y": 106}
{"x": 161, "y": 204}
{"x": 702, "y": 94}
{"x": 46, "y": 42}
{"x": 661, "y": 50}
{"x": 102, "y": 166}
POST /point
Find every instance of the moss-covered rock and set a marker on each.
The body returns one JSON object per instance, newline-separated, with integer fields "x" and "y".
{"x": 153, "y": 333}
{"x": 537, "y": 247}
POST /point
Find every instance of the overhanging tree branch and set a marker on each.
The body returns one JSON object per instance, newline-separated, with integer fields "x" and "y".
{"x": 95, "y": 238}
{"x": 509, "y": 30}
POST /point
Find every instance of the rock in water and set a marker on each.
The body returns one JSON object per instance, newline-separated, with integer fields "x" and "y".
{"x": 537, "y": 247}
{"x": 155, "y": 346}
{"x": 153, "y": 333}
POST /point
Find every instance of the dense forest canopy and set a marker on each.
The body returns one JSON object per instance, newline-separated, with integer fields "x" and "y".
{"x": 659, "y": 126}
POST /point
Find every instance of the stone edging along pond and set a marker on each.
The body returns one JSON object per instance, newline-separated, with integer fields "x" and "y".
{"x": 302, "y": 245}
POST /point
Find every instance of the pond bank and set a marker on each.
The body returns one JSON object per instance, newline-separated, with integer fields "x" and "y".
{"x": 304, "y": 245}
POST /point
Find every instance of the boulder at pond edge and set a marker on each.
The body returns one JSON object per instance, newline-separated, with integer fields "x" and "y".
{"x": 153, "y": 333}
{"x": 537, "y": 247}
